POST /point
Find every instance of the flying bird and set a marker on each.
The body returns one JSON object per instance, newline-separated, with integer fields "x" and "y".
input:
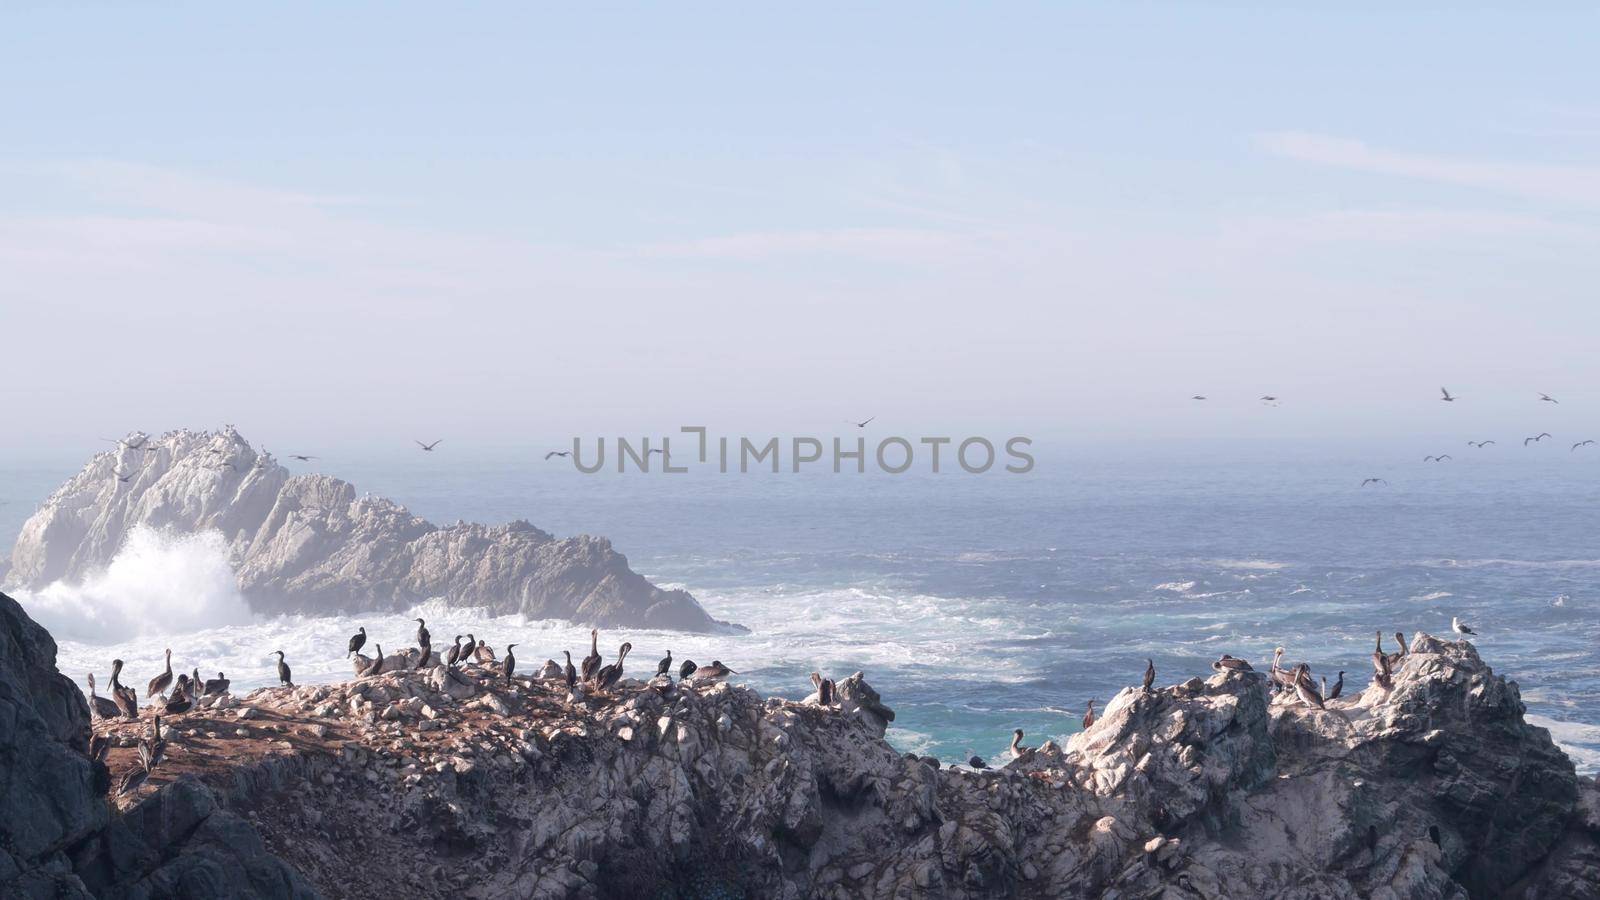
{"x": 1446, "y": 398}
{"x": 1536, "y": 438}
{"x": 1367, "y": 481}
{"x": 558, "y": 453}
{"x": 1440, "y": 458}
{"x": 428, "y": 447}
{"x": 1198, "y": 397}
{"x": 1479, "y": 444}
{"x": 1581, "y": 444}
{"x": 1549, "y": 399}
{"x": 301, "y": 458}
{"x": 1268, "y": 398}
{"x": 863, "y": 424}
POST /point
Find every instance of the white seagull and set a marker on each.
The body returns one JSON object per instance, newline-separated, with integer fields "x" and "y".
{"x": 1460, "y": 627}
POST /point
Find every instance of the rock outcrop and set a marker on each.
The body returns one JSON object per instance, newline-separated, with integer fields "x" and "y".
{"x": 309, "y": 544}
{"x": 58, "y": 835}
{"x": 1208, "y": 789}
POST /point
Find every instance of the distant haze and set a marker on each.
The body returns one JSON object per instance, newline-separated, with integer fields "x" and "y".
{"x": 501, "y": 226}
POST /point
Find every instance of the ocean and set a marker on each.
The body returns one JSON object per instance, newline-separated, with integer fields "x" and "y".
{"x": 974, "y": 604}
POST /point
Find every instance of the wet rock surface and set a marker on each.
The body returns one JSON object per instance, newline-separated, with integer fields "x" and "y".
{"x": 310, "y": 544}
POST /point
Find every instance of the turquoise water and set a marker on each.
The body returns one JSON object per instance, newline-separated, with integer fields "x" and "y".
{"x": 978, "y": 604}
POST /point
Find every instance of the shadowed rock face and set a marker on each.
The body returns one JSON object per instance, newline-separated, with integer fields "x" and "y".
{"x": 309, "y": 544}
{"x": 58, "y": 837}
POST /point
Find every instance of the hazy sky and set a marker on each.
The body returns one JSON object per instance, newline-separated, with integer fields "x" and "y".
{"x": 496, "y": 223}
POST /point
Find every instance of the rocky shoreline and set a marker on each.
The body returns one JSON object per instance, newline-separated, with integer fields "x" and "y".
{"x": 309, "y": 544}
{"x": 441, "y": 783}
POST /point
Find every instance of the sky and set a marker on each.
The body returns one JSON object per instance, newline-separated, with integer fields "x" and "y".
{"x": 500, "y": 224}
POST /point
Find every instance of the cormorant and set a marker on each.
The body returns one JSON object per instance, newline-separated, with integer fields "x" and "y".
{"x": 357, "y": 641}
{"x": 423, "y": 638}
{"x": 686, "y": 670}
{"x": 467, "y": 651}
{"x": 455, "y": 652}
{"x": 1149, "y": 674}
{"x": 1088, "y": 716}
{"x": 569, "y": 671}
{"x": 665, "y": 666}
{"x": 510, "y": 664}
{"x": 1338, "y": 686}
{"x": 591, "y": 663}
{"x": 283, "y": 670}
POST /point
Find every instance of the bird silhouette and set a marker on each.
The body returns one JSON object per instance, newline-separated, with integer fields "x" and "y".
{"x": 1198, "y": 397}
{"x": 1440, "y": 458}
{"x": 428, "y": 447}
{"x": 1581, "y": 444}
{"x": 1368, "y": 481}
{"x": 863, "y": 424}
{"x": 301, "y": 458}
{"x": 558, "y": 453}
{"x": 1446, "y": 398}
{"x": 1549, "y": 399}
{"x": 1536, "y": 438}
{"x": 1479, "y": 444}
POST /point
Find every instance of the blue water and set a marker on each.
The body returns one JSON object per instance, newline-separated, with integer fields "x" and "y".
{"x": 978, "y": 604}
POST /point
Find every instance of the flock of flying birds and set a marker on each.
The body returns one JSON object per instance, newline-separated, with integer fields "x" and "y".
{"x": 1446, "y": 397}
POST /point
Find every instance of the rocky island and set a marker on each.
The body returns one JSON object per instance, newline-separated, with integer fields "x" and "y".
{"x": 461, "y": 782}
{"x": 309, "y": 544}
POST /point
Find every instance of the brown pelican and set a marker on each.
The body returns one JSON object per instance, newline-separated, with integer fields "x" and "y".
{"x": 283, "y": 670}
{"x": 132, "y": 781}
{"x": 1400, "y": 643}
{"x": 484, "y": 653}
{"x": 824, "y": 688}
{"x": 1017, "y": 750}
{"x": 686, "y": 670}
{"x": 153, "y": 749}
{"x": 591, "y": 663}
{"x": 160, "y": 683}
{"x": 1088, "y": 716}
{"x": 1230, "y": 663}
{"x": 357, "y": 641}
{"x": 126, "y": 699}
{"x": 714, "y": 671}
{"x": 1149, "y": 674}
{"x": 510, "y": 664}
{"x": 1304, "y": 689}
{"x": 1338, "y": 686}
{"x": 100, "y": 707}
{"x": 569, "y": 671}
{"x": 455, "y": 652}
{"x": 611, "y": 674}
{"x": 99, "y": 744}
{"x": 217, "y": 685}
{"x": 1460, "y": 627}
{"x": 182, "y": 699}
{"x": 1278, "y": 677}
{"x": 1380, "y": 666}
{"x": 665, "y": 666}
{"x": 376, "y": 666}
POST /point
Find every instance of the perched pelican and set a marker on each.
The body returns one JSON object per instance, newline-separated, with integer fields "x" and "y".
{"x": 686, "y": 671}
{"x": 569, "y": 671}
{"x": 182, "y": 699}
{"x": 1231, "y": 664}
{"x": 283, "y": 670}
{"x": 153, "y": 750}
{"x": 1400, "y": 643}
{"x": 1380, "y": 666}
{"x": 591, "y": 663}
{"x": 665, "y": 666}
{"x": 714, "y": 671}
{"x": 484, "y": 652}
{"x": 1088, "y": 716}
{"x": 824, "y": 688}
{"x": 455, "y": 652}
{"x": 1149, "y": 674}
{"x": 611, "y": 674}
{"x": 1304, "y": 689}
{"x": 132, "y": 781}
{"x": 1460, "y": 627}
{"x": 510, "y": 664}
{"x": 1446, "y": 398}
{"x": 217, "y": 685}
{"x": 376, "y": 666}
{"x": 160, "y": 683}
{"x": 100, "y": 707}
{"x": 1017, "y": 750}
{"x": 127, "y": 701}
{"x": 1337, "y": 687}
{"x": 357, "y": 641}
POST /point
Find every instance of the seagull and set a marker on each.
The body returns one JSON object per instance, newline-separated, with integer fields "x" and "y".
{"x": 1549, "y": 399}
{"x": 1440, "y": 458}
{"x": 1460, "y": 627}
{"x": 1367, "y": 481}
{"x": 863, "y": 424}
{"x": 1479, "y": 444}
{"x": 1581, "y": 444}
{"x": 428, "y": 447}
{"x": 1446, "y": 398}
{"x": 301, "y": 458}
{"x": 1536, "y": 438}
{"x": 558, "y": 453}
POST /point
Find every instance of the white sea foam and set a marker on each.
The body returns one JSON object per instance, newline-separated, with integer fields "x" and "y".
{"x": 1436, "y": 595}
{"x": 158, "y": 583}
{"x": 1177, "y": 586}
{"x": 1247, "y": 564}
{"x": 1579, "y": 741}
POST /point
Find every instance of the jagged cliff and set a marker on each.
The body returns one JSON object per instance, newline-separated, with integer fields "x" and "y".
{"x": 309, "y": 544}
